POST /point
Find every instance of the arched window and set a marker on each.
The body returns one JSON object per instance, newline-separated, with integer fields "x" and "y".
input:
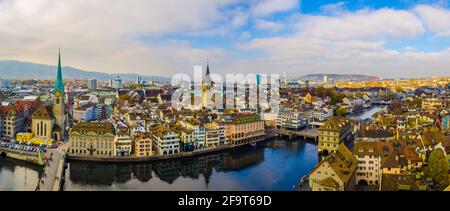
{"x": 42, "y": 131}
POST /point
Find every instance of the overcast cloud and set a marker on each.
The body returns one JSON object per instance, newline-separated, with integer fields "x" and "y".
{"x": 164, "y": 37}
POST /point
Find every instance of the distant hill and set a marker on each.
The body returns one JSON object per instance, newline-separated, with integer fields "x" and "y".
{"x": 27, "y": 70}
{"x": 339, "y": 77}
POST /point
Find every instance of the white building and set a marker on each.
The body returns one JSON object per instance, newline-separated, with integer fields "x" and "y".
{"x": 323, "y": 114}
{"x": 291, "y": 120}
{"x": 85, "y": 113}
{"x": 124, "y": 144}
{"x": 165, "y": 140}
{"x": 370, "y": 156}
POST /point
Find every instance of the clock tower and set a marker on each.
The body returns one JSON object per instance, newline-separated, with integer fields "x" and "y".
{"x": 59, "y": 104}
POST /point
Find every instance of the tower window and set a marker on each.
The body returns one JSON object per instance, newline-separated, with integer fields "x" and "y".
{"x": 57, "y": 100}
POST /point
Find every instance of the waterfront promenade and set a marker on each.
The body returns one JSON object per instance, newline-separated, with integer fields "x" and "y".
{"x": 127, "y": 159}
{"x": 18, "y": 154}
{"x": 51, "y": 177}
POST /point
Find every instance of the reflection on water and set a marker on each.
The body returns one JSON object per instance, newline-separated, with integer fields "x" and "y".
{"x": 18, "y": 176}
{"x": 365, "y": 114}
{"x": 275, "y": 165}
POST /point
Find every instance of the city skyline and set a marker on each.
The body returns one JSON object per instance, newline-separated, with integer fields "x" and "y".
{"x": 388, "y": 39}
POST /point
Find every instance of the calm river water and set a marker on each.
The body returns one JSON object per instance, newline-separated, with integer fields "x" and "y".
{"x": 275, "y": 165}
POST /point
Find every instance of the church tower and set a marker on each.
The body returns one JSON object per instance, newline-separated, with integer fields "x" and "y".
{"x": 59, "y": 104}
{"x": 207, "y": 85}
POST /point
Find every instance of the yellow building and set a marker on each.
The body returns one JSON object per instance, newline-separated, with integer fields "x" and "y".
{"x": 245, "y": 128}
{"x": 92, "y": 139}
{"x": 43, "y": 122}
{"x": 212, "y": 138}
{"x": 24, "y": 137}
{"x": 334, "y": 132}
{"x": 432, "y": 104}
{"x": 336, "y": 172}
{"x": 143, "y": 145}
{"x": 27, "y": 138}
{"x": 308, "y": 98}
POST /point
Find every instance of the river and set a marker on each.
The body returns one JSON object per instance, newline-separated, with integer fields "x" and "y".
{"x": 274, "y": 165}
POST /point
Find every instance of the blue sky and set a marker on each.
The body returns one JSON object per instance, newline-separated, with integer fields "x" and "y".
{"x": 390, "y": 39}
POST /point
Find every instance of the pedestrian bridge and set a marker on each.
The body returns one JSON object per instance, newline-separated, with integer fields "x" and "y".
{"x": 308, "y": 133}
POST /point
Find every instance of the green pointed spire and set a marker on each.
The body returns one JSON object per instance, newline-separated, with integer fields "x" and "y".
{"x": 59, "y": 85}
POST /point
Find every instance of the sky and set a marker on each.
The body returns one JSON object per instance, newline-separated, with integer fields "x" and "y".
{"x": 385, "y": 38}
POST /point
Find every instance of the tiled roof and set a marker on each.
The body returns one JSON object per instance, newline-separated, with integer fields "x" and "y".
{"x": 409, "y": 182}
{"x": 335, "y": 124}
{"x": 378, "y": 148}
{"x": 246, "y": 118}
{"x": 329, "y": 182}
{"x": 44, "y": 112}
{"x": 93, "y": 127}
{"x": 342, "y": 162}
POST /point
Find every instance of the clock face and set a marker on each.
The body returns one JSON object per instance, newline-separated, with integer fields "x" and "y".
{"x": 57, "y": 94}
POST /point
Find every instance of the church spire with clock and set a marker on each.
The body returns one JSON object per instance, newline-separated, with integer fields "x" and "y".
{"x": 58, "y": 101}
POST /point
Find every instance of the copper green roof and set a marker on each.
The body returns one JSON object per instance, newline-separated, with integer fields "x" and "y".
{"x": 59, "y": 85}
{"x": 248, "y": 118}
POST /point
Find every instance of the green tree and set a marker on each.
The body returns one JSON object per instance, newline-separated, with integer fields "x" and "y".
{"x": 437, "y": 169}
{"x": 321, "y": 92}
{"x": 340, "y": 111}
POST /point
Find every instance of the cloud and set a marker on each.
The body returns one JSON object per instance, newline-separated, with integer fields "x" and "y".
{"x": 363, "y": 24}
{"x": 268, "y": 25}
{"x": 104, "y": 35}
{"x": 333, "y": 9}
{"x": 164, "y": 37}
{"x": 436, "y": 19}
{"x": 269, "y": 7}
{"x": 350, "y": 42}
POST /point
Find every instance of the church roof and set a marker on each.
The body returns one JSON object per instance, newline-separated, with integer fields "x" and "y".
{"x": 44, "y": 112}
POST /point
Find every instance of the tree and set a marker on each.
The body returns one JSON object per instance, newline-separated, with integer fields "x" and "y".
{"x": 125, "y": 98}
{"x": 437, "y": 169}
{"x": 341, "y": 111}
{"x": 321, "y": 92}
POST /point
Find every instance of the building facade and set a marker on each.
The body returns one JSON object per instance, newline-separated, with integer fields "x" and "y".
{"x": 165, "y": 140}
{"x": 291, "y": 121}
{"x": 334, "y": 132}
{"x": 85, "y": 113}
{"x": 13, "y": 122}
{"x": 143, "y": 145}
{"x": 92, "y": 84}
{"x": 92, "y": 139}
{"x": 245, "y": 128}
{"x": 212, "y": 137}
{"x": 371, "y": 156}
